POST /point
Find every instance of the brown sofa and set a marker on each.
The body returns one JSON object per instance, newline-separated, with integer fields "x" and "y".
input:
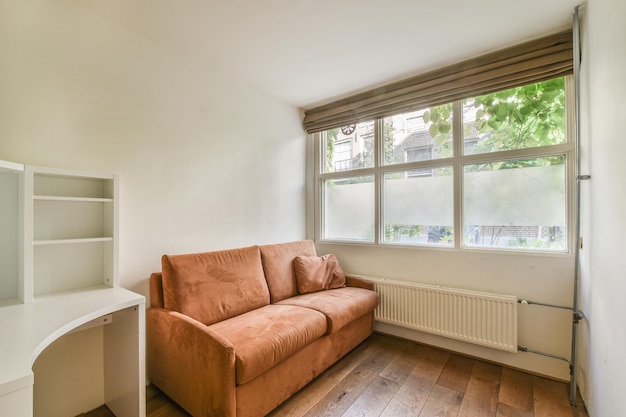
{"x": 237, "y": 332}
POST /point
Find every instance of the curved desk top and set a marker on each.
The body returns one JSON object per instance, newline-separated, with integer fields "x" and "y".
{"x": 26, "y": 329}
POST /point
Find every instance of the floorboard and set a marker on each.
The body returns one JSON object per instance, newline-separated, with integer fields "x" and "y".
{"x": 102, "y": 411}
{"x": 341, "y": 397}
{"x": 505, "y": 410}
{"x": 442, "y": 402}
{"x": 481, "y": 394}
{"x": 551, "y": 398}
{"x": 390, "y": 377}
{"x": 411, "y": 397}
{"x": 516, "y": 390}
{"x": 457, "y": 372}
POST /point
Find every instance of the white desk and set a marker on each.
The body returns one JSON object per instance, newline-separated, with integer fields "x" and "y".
{"x": 27, "y": 329}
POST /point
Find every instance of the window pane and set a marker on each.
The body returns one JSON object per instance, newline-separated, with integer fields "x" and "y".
{"x": 519, "y": 204}
{"x": 349, "y": 147}
{"x": 418, "y": 210}
{"x": 349, "y": 209}
{"x": 418, "y": 136}
{"x": 520, "y": 118}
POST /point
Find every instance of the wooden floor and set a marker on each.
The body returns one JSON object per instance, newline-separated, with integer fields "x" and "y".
{"x": 389, "y": 377}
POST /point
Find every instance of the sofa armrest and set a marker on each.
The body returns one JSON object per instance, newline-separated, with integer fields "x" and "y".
{"x": 352, "y": 281}
{"x": 156, "y": 290}
{"x": 192, "y": 364}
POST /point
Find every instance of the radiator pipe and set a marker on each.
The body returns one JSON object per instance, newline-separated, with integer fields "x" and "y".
{"x": 529, "y": 302}
{"x": 525, "y": 349}
{"x": 577, "y": 315}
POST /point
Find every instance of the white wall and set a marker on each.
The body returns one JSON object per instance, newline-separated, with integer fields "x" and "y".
{"x": 602, "y": 365}
{"x": 205, "y": 162}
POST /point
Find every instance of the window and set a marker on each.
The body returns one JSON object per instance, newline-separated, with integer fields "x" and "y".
{"x": 489, "y": 171}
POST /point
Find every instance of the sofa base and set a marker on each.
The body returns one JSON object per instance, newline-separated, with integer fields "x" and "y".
{"x": 266, "y": 392}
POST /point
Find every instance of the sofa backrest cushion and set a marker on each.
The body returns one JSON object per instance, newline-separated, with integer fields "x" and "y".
{"x": 214, "y": 286}
{"x": 318, "y": 273}
{"x": 278, "y": 267}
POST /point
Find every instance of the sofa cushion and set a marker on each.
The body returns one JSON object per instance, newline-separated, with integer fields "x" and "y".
{"x": 278, "y": 266}
{"x": 214, "y": 286}
{"x": 340, "y": 306}
{"x": 317, "y": 273}
{"x": 264, "y": 337}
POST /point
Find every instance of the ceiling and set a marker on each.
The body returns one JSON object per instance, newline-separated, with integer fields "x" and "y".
{"x": 308, "y": 52}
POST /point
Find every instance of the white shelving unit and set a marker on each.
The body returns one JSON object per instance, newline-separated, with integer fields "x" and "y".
{"x": 70, "y": 230}
{"x": 59, "y": 273}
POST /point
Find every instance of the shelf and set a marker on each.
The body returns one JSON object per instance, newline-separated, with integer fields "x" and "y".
{"x": 68, "y": 185}
{"x": 6, "y": 166}
{"x": 72, "y": 263}
{"x": 71, "y": 241}
{"x": 72, "y": 218}
{"x": 72, "y": 199}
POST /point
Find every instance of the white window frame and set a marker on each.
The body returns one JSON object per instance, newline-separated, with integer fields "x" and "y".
{"x": 457, "y": 162}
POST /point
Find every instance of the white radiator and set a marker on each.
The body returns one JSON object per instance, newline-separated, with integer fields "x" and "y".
{"x": 483, "y": 318}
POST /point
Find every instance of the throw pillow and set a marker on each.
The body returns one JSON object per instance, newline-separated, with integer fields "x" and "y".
{"x": 317, "y": 273}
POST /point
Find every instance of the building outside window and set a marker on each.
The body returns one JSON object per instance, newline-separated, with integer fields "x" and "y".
{"x": 342, "y": 160}
{"x": 422, "y": 153}
{"x": 484, "y": 172}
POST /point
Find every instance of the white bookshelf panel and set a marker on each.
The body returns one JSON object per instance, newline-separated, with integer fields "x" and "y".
{"x": 71, "y": 241}
{"x": 59, "y": 267}
{"x": 9, "y": 230}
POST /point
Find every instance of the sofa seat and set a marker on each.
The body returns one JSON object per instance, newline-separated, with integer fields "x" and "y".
{"x": 341, "y": 306}
{"x": 266, "y": 336}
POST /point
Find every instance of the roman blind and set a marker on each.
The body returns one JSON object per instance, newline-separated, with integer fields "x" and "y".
{"x": 526, "y": 63}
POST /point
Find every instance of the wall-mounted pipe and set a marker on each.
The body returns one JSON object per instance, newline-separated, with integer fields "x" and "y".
{"x": 577, "y": 314}
{"x": 529, "y": 302}
{"x": 561, "y": 358}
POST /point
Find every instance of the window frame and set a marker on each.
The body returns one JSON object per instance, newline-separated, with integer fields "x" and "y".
{"x": 457, "y": 161}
